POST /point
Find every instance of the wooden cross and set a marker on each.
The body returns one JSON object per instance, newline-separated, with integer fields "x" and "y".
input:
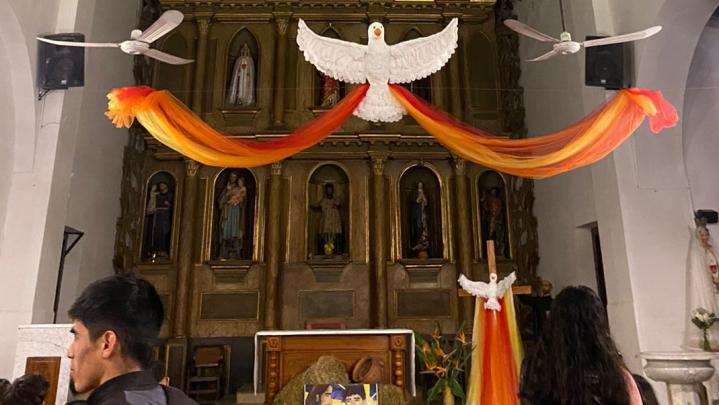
{"x": 492, "y": 264}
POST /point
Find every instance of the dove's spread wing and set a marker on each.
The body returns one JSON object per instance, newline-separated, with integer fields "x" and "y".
{"x": 476, "y": 288}
{"x": 505, "y": 284}
{"x": 339, "y": 59}
{"x": 418, "y": 58}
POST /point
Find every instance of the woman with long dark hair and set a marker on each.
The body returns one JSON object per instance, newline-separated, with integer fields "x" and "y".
{"x": 320, "y": 394}
{"x": 576, "y": 361}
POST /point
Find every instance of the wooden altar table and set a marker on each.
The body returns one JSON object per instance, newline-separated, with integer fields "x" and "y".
{"x": 281, "y": 355}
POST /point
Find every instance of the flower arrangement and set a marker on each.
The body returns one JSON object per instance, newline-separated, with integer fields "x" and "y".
{"x": 704, "y": 320}
{"x": 329, "y": 248}
{"x": 445, "y": 358}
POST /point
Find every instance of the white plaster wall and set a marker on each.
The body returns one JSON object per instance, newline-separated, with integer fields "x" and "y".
{"x": 701, "y": 121}
{"x": 94, "y": 202}
{"x": 641, "y": 197}
{"x": 46, "y": 136}
{"x": 553, "y": 99}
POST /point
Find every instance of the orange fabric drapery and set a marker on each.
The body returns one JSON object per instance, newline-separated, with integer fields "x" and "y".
{"x": 581, "y": 144}
{"x": 173, "y": 124}
{"x": 496, "y": 355}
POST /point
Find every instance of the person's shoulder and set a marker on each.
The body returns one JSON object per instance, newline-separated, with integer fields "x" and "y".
{"x": 177, "y": 397}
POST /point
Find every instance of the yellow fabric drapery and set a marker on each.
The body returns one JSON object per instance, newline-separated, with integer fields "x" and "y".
{"x": 582, "y": 143}
{"x": 173, "y": 124}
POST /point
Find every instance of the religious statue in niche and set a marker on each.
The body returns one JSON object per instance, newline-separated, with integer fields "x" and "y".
{"x": 328, "y": 213}
{"x": 419, "y": 228}
{"x": 234, "y": 193}
{"x": 159, "y": 208}
{"x": 421, "y": 214}
{"x": 330, "y": 91}
{"x": 241, "y": 91}
{"x": 493, "y": 212}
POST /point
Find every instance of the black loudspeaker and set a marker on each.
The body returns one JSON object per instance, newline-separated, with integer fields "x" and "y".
{"x": 609, "y": 66}
{"x": 707, "y": 216}
{"x": 60, "y": 67}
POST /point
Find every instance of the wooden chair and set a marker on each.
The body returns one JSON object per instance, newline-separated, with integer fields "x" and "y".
{"x": 206, "y": 374}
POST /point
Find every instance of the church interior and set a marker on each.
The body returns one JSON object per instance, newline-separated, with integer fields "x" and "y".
{"x": 352, "y": 247}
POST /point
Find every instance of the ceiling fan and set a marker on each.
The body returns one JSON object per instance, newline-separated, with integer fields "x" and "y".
{"x": 564, "y": 45}
{"x": 139, "y": 42}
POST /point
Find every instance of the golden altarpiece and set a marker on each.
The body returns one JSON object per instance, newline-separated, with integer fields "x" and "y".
{"x": 369, "y": 229}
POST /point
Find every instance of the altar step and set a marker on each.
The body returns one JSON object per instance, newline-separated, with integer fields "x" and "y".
{"x": 249, "y": 398}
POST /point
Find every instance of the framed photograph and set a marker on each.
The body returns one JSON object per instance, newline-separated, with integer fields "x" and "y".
{"x": 341, "y": 394}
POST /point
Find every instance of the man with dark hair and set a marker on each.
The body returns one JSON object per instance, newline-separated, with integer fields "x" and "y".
{"x": 115, "y": 322}
{"x": 354, "y": 394}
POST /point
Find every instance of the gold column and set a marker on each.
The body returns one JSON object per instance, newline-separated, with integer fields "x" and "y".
{"x": 378, "y": 236}
{"x": 185, "y": 265}
{"x": 455, "y": 93}
{"x": 273, "y": 250}
{"x": 463, "y": 215}
{"x": 280, "y": 68}
{"x": 203, "y": 29}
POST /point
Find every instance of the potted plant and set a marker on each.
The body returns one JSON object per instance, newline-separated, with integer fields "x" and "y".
{"x": 445, "y": 358}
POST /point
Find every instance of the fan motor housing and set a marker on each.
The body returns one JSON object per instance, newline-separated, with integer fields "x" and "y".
{"x": 61, "y": 67}
{"x": 609, "y": 66}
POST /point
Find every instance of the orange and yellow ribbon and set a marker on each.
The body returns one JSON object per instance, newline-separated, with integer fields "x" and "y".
{"x": 583, "y": 143}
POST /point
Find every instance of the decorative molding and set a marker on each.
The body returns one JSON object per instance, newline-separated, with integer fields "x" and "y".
{"x": 203, "y": 26}
{"x": 460, "y": 166}
{"x": 230, "y": 271}
{"x": 276, "y": 168}
{"x": 422, "y": 271}
{"x": 282, "y": 24}
{"x": 191, "y": 168}
{"x": 328, "y": 270}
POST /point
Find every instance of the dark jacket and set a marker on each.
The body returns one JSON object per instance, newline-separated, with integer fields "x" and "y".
{"x": 137, "y": 388}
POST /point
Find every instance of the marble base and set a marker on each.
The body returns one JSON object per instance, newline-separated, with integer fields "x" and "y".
{"x": 45, "y": 341}
{"x": 682, "y": 372}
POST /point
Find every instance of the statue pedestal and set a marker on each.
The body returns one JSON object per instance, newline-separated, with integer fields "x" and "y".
{"x": 682, "y": 372}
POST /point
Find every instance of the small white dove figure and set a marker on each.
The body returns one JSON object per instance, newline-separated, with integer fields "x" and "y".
{"x": 378, "y": 63}
{"x": 491, "y": 292}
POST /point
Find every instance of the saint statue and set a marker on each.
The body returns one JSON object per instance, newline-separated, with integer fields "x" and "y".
{"x": 242, "y": 86}
{"x": 159, "y": 221}
{"x": 330, "y": 91}
{"x": 493, "y": 214}
{"x": 419, "y": 229}
{"x": 330, "y": 227}
{"x": 703, "y": 292}
{"x": 233, "y": 209}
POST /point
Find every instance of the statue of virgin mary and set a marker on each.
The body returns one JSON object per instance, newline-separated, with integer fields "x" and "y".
{"x": 242, "y": 86}
{"x": 703, "y": 292}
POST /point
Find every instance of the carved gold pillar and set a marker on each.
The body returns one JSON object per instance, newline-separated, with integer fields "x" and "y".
{"x": 280, "y": 68}
{"x": 378, "y": 236}
{"x": 185, "y": 264}
{"x": 203, "y": 30}
{"x": 455, "y": 93}
{"x": 273, "y": 250}
{"x": 464, "y": 235}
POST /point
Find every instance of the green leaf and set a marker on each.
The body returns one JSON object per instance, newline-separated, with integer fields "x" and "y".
{"x": 436, "y": 390}
{"x": 456, "y": 388}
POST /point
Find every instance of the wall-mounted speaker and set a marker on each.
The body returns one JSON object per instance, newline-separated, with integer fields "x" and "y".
{"x": 609, "y": 66}
{"x": 707, "y": 216}
{"x": 61, "y": 67}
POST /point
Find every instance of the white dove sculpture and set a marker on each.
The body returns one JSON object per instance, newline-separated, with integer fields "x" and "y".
{"x": 378, "y": 63}
{"x": 491, "y": 292}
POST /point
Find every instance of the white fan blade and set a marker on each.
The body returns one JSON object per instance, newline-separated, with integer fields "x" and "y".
{"x": 633, "y": 36}
{"x": 79, "y": 44}
{"x": 165, "y": 57}
{"x": 166, "y": 23}
{"x": 525, "y": 29}
{"x": 545, "y": 56}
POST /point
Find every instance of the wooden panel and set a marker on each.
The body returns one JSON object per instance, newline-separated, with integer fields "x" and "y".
{"x": 287, "y": 356}
{"x": 49, "y": 368}
{"x": 423, "y": 304}
{"x": 327, "y": 304}
{"x": 230, "y": 306}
